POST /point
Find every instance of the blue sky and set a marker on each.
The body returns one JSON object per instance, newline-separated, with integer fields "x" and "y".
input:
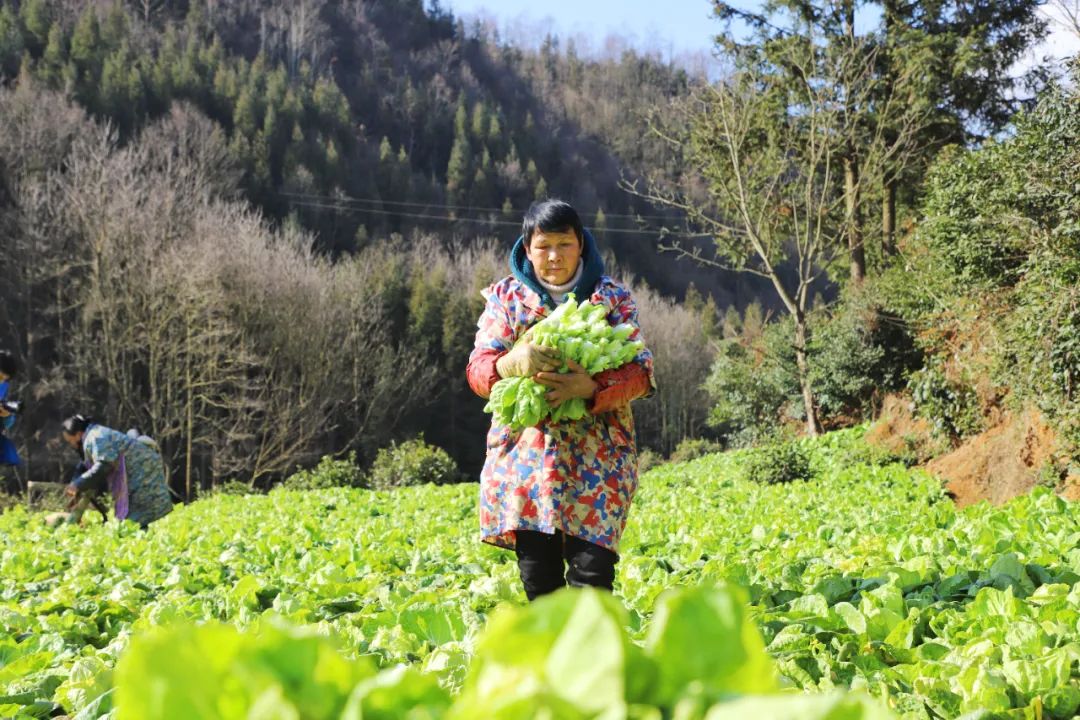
{"x": 670, "y": 27}
{"x": 674, "y": 28}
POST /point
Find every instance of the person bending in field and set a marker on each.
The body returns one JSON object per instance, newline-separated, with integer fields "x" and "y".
{"x": 130, "y": 468}
{"x": 558, "y": 492}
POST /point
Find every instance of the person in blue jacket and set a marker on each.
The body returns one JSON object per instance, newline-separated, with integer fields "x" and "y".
{"x": 8, "y": 369}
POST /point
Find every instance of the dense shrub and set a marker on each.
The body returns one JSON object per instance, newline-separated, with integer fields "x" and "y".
{"x": 330, "y": 472}
{"x": 233, "y": 487}
{"x": 412, "y": 462}
{"x": 694, "y": 448}
{"x": 991, "y": 274}
{"x": 779, "y": 462}
{"x": 857, "y": 354}
{"x": 10, "y": 500}
{"x": 753, "y": 385}
{"x": 969, "y": 223}
{"x": 1040, "y": 358}
{"x": 648, "y": 459}
{"x": 951, "y": 405}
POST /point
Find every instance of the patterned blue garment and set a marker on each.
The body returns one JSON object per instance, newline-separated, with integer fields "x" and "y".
{"x": 148, "y": 494}
{"x": 8, "y": 454}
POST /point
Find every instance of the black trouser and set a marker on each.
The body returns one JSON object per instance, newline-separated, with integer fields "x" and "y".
{"x": 540, "y": 560}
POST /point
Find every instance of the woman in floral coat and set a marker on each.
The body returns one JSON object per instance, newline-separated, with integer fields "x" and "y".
{"x": 129, "y": 467}
{"x": 557, "y": 492}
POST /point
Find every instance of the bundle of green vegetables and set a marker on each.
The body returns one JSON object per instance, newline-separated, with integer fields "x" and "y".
{"x": 581, "y": 333}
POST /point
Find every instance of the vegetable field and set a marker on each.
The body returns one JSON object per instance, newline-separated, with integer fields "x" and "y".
{"x": 360, "y": 604}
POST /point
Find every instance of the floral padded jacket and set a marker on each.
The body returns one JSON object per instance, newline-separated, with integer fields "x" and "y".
{"x": 575, "y": 476}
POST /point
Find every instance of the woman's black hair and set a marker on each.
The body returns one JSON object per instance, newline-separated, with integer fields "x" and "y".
{"x": 551, "y": 215}
{"x": 77, "y": 424}
{"x": 8, "y": 364}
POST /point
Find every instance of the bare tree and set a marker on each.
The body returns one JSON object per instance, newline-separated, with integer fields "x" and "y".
{"x": 766, "y": 187}
{"x": 682, "y": 359}
{"x": 148, "y": 9}
{"x": 37, "y": 288}
{"x": 1065, "y": 13}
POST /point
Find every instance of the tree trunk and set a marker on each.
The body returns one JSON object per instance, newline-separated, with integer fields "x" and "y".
{"x": 851, "y": 171}
{"x": 888, "y": 218}
{"x": 813, "y": 427}
{"x": 854, "y": 218}
{"x": 190, "y": 419}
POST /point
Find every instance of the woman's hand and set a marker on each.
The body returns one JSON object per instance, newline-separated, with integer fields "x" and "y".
{"x": 564, "y": 386}
{"x": 527, "y": 359}
{"x": 71, "y": 491}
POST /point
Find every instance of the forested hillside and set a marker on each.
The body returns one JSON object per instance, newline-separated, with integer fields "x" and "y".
{"x": 258, "y": 230}
{"x": 358, "y": 119}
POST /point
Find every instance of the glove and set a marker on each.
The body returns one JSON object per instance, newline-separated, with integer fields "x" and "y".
{"x": 527, "y": 359}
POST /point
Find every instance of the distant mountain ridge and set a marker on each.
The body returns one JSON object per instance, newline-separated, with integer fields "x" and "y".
{"x": 359, "y": 119}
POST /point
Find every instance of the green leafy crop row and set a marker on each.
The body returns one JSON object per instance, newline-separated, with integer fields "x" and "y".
{"x": 864, "y": 577}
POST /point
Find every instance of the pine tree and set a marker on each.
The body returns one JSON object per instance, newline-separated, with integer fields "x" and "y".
{"x": 261, "y": 169}
{"x": 457, "y": 171}
{"x": 240, "y": 149}
{"x": 245, "y": 114}
{"x": 86, "y": 45}
{"x": 386, "y": 171}
{"x": 277, "y": 87}
{"x": 753, "y": 322}
{"x": 333, "y": 159}
{"x": 161, "y": 77}
{"x": 55, "y": 58}
{"x": 330, "y": 103}
{"x": 461, "y": 118}
{"x": 11, "y": 41}
{"x": 275, "y": 142}
{"x": 37, "y": 20}
{"x": 479, "y": 122}
{"x": 710, "y": 319}
{"x": 403, "y": 174}
{"x": 693, "y": 301}
{"x": 600, "y": 223}
{"x": 293, "y": 153}
{"x": 494, "y": 137}
{"x": 732, "y": 324}
{"x": 480, "y": 193}
{"x": 114, "y": 31}
{"x": 361, "y": 237}
{"x": 122, "y": 94}
{"x": 114, "y": 97}
{"x": 541, "y": 190}
{"x": 187, "y": 78}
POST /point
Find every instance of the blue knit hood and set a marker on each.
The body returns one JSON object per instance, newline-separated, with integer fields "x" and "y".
{"x": 591, "y": 271}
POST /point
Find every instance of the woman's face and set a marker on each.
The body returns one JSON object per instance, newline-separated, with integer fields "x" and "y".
{"x": 72, "y": 440}
{"x": 554, "y": 255}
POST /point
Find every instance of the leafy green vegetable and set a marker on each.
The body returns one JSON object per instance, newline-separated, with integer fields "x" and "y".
{"x": 580, "y": 332}
{"x": 866, "y": 577}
